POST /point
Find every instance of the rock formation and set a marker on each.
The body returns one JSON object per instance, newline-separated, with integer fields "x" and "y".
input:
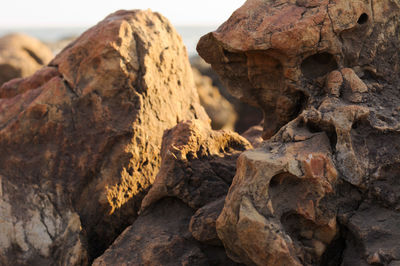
{"x": 177, "y": 221}
{"x": 220, "y": 111}
{"x": 21, "y": 56}
{"x": 80, "y": 139}
{"x": 324, "y": 189}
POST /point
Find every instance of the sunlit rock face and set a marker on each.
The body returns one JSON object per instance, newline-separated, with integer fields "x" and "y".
{"x": 326, "y": 74}
{"x": 80, "y": 139}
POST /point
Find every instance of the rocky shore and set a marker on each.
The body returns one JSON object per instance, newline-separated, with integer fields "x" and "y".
{"x": 119, "y": 151}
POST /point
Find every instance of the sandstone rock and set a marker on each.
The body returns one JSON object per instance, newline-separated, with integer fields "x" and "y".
{"x": 247, "y": 116}
{"x": 220, "y": 111}
{"x": 81, "y": 139}
{"x": 198, "y": 165}
{"x": 326, "y": 75}
{"x": 21, "y": 56}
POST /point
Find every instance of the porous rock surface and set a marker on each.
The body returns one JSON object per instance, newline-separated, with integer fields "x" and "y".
{"x": 21, "y": 56}
{"x": 177, "y": 221}
{"x": 324, "y": 188}
{"x": 80, "y": 139}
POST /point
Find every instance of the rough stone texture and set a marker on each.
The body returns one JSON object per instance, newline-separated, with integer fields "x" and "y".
{"x": 198, "y": 165}
{"x": 326, "y": 74}
{"x": 247, "y": 115}
{"x": 220, "y": 111}
{"x": 80, "y": 140}
{"x": 21, "y": 56}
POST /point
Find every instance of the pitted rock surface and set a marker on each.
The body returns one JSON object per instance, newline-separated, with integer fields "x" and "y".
{"x": 21, "y": 56}
{"x": 326, "y": 75}
{"x": 80, "y": 139}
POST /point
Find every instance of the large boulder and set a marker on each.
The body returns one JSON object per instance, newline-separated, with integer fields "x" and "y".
{"x": 21, "y": 56}
{"x": 324, "y": 188}
{"x": 81, "y": 138}
{"x": 177, "y": 221}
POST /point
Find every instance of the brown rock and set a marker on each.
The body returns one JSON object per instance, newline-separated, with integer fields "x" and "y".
{"x": 81, "y": 139}
{"x": 220, "y": 111}
{"x": 254, "y": 135}
{"x": 276, "y": 199}
{"x": 202, "y": 224}
{"x": 246, "y": 115}
{"x": 159, "y": 237}
{"x": 326, "y": 74}
{"x": 198, "y": 165}
{"x": 21, "y": 56}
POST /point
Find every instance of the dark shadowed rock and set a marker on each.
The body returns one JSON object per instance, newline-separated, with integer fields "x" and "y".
{"x": 323, "y": 188}
{"x": 80, "y": 140}
{"x": 159, "y": 237}
{"x": 21, "y": 56}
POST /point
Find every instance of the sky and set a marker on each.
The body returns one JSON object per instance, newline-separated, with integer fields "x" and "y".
{"x": 83, "y": 13}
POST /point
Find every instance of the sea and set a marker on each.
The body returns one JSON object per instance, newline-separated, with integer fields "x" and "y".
{"x": 190, "y": 34}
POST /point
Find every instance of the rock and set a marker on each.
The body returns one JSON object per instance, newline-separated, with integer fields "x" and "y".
{"x": 81, "y": 138}
{"x": 254, "y": 135}
{"x": 21, "y": 56}
{"x": 202, "y": 224}
{"x": 326, "y": 75}
{"x": 273, "y": 213}
{"x": 220, "y": 111}
{"x": 247, "y": 116}
{"x": 198, "y": 165}
{"x": 160, "y": 237}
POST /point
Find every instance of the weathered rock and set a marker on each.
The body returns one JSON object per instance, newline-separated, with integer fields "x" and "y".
{"x": 247, "y": 115}
{"x": 326, "y": 75}
{"x": 80, "y": 140}
{"x": 21, "y": 56}
{"x": 198, "y": 165}
{"x": 273, "y": 214}
{"x": 220, "y": 111}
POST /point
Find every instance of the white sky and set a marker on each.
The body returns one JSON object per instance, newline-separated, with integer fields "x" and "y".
{"x": 71, "y": 13}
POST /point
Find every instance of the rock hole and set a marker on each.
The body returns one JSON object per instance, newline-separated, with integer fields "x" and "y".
{"x": 362, "y": 19}
{"x": 333, "y": 254}
{"x": 318, "y": 65}
{"x": 34, "y": 56}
